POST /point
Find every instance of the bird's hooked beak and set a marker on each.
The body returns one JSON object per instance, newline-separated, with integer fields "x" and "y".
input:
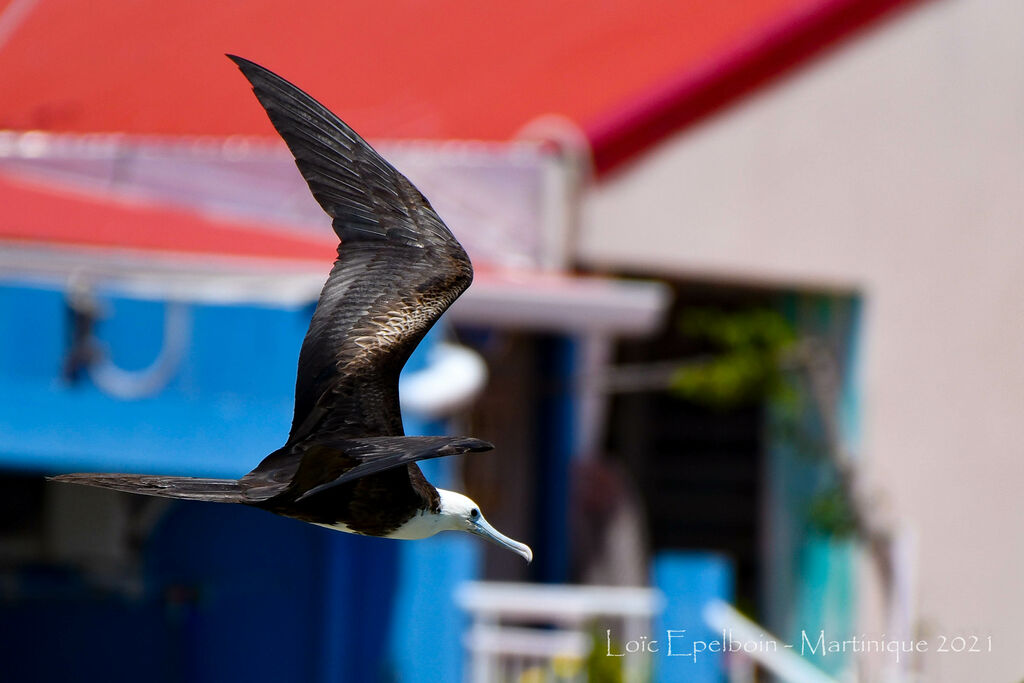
{"x": 480, "y": 527}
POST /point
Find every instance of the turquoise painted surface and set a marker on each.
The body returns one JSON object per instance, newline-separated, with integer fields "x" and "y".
{"x": 811, "y": 582}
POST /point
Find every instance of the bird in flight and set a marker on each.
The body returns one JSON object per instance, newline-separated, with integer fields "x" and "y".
{"x": 347, "y": 464}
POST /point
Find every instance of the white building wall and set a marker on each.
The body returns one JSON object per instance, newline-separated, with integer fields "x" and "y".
{"x": 895, "y": 166}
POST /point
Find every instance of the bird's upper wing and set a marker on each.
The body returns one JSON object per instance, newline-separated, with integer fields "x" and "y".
{"x": 398, "y": 269}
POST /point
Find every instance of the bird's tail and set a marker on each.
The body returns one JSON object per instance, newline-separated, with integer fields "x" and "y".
{"x": 189, "y": 488}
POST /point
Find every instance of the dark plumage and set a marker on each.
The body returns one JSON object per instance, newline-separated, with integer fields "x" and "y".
{"x": 347, "y": 463}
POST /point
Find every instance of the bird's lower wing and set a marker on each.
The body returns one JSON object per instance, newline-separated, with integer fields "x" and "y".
{"x": 376, "y": 454}
{"x": 189, "y": 488}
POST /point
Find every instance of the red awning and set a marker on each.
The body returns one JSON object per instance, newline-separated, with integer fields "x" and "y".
{"x": 627, "y": 73}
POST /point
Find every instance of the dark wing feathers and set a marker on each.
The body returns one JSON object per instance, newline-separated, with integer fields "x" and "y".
{"x": 189, "y": 488}
{"x": 372, "y": 455}
{"x": 364, "y": 194}
{"x": 398, "y": 269}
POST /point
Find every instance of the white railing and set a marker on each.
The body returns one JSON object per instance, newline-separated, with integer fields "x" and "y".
{"x": 783, "y": 662}
{"x": 548, "y": 629}
{"x": 533, "y": 632}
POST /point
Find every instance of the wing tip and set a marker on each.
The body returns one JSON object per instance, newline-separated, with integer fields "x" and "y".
{"x": 240, "y": 61}
{"x": 478, "y": 445}
{"x": 466, "y": 444}
{"x": 249, "y": 68}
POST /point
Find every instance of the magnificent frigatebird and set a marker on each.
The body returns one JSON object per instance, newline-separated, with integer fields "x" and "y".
{"x": 347, "y": 464}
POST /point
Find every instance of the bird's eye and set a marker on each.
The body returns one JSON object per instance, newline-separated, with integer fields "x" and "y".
{"x": 474, "y": 514}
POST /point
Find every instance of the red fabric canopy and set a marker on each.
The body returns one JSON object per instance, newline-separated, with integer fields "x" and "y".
{"x": 627, "y": 73}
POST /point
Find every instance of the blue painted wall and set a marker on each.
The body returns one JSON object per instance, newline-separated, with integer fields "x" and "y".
{"x": 689, "y": 580}
{"x": 225, "y": 592}
{"x": 228, "y": 404}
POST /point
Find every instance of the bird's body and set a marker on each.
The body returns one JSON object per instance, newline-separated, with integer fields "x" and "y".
{"x": 346, "y": 464}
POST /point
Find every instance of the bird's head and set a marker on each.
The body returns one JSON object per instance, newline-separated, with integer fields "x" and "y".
{"x": 460, "y": 513}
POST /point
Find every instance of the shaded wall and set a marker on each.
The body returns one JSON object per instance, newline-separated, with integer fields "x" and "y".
{"x": 891, "y": 167}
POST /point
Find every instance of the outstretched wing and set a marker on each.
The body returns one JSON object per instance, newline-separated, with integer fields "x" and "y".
{"x": 189, "y": 488}
{"x": 327, "y": 465}
{"x": 398, "y": 269}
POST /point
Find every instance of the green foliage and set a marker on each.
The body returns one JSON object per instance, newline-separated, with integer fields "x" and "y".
{"x": 745, "y": 367}
{"x": 830, "y": 513}
{"x": 600, "y": 667}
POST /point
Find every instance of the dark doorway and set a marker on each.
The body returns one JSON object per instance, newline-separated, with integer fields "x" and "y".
{"x": 699, "y": 467}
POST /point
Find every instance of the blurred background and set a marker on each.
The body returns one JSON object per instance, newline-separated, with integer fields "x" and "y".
{"x": 746, "y": 330}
